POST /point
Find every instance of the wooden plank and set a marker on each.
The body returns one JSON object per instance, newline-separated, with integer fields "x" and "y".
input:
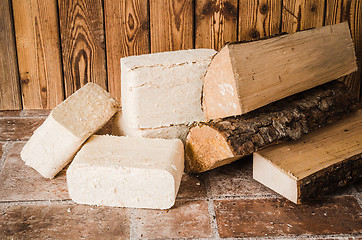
{"x": 221, "y": 141}
{"x": 259, "y": 19}
{"x": 245, "y": 76}
{"x": 215, "y": 23}
{"x": 349, "y": 10}
{"x": 38, "y": 48}
{"x": 83, "y": 44}
{"x": 127, "y": 34}
{"x": 9, "y": 78}
{"x": 171, "y": 25}
{"x": 302, "y": 14}
{"x": 318, "y": 163}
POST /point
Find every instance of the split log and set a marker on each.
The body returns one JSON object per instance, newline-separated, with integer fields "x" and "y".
{"x": 245, "y": 76}
{"x": 221, "y": 141}
{"x": 316, "y": 164}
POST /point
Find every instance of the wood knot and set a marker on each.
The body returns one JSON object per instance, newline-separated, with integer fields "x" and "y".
{"x": 43, "y": 89}
{"x": 210, "y": 8}
{"x": 229, "y": 10}
{"x": 130, "y": 21}
{"x": 313, "y": 8}
{"x": 24, "y": 81}
{"x": 178, "y": 23}
{"x": 264, "y": 9}
{"x": 254, "y": 33}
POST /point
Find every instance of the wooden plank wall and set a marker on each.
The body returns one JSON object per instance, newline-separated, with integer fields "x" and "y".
{"x": 50, "y": 48}
{"x": 38, "y": 48}
{"x": 83, "y": 43}
{"x": 351, "y": 11}
{"x": 9, "y": 77}
{"x": 216, "y": 23}
{"x": 127, "y": 33}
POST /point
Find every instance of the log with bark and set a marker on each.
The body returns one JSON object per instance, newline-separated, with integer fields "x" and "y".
{"x": 222, "y": 141}
{"x": 316, "y": 164}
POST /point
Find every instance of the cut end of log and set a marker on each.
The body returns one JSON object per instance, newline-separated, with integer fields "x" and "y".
{"x": 220, "y": 97}
{"x": 206, "y": 148}
{"x": 217, "y": 142}
{"x": 284, "y": 183}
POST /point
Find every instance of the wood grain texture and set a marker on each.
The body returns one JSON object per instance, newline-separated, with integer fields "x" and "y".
{"x": 315, "y": 151}
{"x": 127, "y": 34}
{"x": 9, "y": 78}
{"x": 83, "y": 45}
{"x": 259, "y": 19}
{"x": 349, "y": 10}
{"x": 318, "y": 163}
{"x": 221, "y": 141}
{"x": 246, "y": 76}
{"x": 215, "y": 23}
{"x": 299, "y": 15}
{"x": 171, "y": 25}
{"x": 38, "y": 48}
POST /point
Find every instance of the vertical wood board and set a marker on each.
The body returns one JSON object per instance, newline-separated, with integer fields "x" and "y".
{"x": 38, "y": 49}
{"x": 83, "y": 44}
{"x": 299, "y": 15}
{"x": 349, "y": 10}
{"x": 9, "y": 78}
{"x": 215, "y": 23}
{"x": 259, "y": 19}
{"x": 171, "y": 25}
{"x": 127, "y": 34}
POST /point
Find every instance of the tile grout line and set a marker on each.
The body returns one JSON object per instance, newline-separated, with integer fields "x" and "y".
{"x": 13, "y": 141}
{"x": 7, "y": 146}
{"x": 211, "y": 209}
{"x": 45, "y": 114}
{"x": 26, "y": 117}
{"x": 38, "y": 202}
{"x": 43, "y": 201}
{"x": 256, "y": 196}
{"x": 229, "y": 197}
{"x": 302, "y": 236}
{"x": 248, "y": 197}
{"x": 132, "y": 224}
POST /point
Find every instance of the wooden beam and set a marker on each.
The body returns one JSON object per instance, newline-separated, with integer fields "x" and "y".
{"x": 171, "y": 25}
{"x": 243, "y": 77}
{"x": 349, "y": 10}
{"x": 221, "y": 141}
{"x": 316, "y": 164}
{"x": 215, "y": 23}
{"x": 259, "y": 19}
{"x": 9, "y": 77}
{"x": 127, "y": 33}
{"x": 38, "y": 48}
{"x": 83, "y": 44}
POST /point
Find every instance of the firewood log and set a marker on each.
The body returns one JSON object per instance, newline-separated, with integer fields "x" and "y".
{"x": 246, "y": 76}
{"x": 222, "y": 141}
{"x": 316, "y": 164}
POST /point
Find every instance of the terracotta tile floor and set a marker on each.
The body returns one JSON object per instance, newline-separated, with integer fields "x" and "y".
{"x": 223, "y": 203}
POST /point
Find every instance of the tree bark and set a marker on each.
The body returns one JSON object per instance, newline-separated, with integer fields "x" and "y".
{"x": 330, "y": 179}
{"x": 221, "y": 141}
